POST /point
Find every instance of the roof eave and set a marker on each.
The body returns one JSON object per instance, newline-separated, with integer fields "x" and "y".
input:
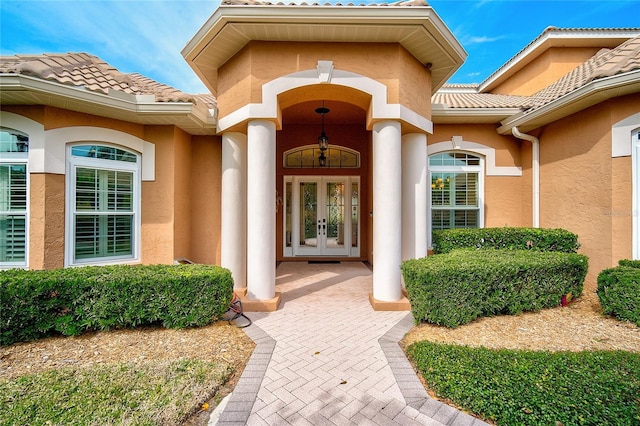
{"x": 21, "y": 89}
{"x": 353, "y": 18}
{"x": 588, "y": 95}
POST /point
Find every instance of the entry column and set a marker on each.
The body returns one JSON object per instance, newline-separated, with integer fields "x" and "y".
{"x": 387, "y": 211}
{"x": 234, "y": 207}
{"x": 261, "y": 213}
{"x": 414, "y": 196}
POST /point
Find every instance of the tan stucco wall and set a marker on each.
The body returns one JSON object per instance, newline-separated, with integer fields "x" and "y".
{"x": 240, "y": 80}
{"x": 503, "y": 194}
{"x": 186, "y": 189}
{"x": 544, "y": 70}
{"x": 46, "y": 221}
{"x": 33, "y": 112}
{"x": 206, "y": 181}
{"x": 182, "y": 194}
{"x": 158, "y": 200}
{"x": 583, "y": 189}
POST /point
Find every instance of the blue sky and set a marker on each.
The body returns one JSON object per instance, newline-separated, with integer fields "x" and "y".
{"x": 146, "y": 36}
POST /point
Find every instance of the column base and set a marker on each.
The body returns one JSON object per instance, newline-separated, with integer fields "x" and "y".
{"x": 253, "y": 305}
{"x": 399, "y": 305}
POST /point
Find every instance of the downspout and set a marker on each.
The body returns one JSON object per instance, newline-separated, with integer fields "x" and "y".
{"x": 535, "y": 148}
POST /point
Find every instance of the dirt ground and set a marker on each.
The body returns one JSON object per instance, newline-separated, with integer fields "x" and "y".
{"x": 576, "y": 327}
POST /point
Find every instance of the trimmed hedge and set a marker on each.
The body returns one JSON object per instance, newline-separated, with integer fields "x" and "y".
{"x": 534, "y": 239}
{"x": 71, "y": 301}
{"x": 514, "y": 387}
{"x": 619, "y": 291}
{"x": 458, "y": 287}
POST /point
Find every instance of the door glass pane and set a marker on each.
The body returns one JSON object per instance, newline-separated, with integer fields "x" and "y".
{"x": 335, "y": 214}
{"x": 308, "y": 214}
{"x": 287, "y": 213}
{"x": 355, "y": 213}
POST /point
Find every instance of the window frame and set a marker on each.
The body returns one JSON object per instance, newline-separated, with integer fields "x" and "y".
{"x": 635, "y": 192}
{"x": 72, "y": 164}
{"x": 19, "y": 158}
{"x": 479, "y": 169}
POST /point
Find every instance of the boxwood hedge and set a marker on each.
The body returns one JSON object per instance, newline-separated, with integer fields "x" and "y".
{"x": 458, "y": 287}
{"x": 70, "y": 301}
{"x": 619, "y": 291}
{"x": 534, "y": 239}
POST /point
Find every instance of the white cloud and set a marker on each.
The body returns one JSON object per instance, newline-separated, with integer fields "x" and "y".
{"x": 481, "y": 39}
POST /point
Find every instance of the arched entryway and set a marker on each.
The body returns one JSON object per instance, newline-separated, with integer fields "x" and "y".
{"x": 324, "y": 203}
{"x": 389, "y": 161}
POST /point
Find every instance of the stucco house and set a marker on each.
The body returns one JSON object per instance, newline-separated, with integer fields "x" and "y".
{"x": 330, "y": 134}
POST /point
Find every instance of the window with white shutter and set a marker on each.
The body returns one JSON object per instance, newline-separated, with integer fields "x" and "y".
{"x": 455, "y": 190}
{"x": 14, "y": 189}
{"x": 105, "y": 200}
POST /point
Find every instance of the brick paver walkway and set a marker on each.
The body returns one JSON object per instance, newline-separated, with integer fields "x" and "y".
{"x": 327, "y": 358}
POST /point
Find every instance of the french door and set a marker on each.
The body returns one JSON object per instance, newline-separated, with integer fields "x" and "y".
{"x": 322, "y": 216}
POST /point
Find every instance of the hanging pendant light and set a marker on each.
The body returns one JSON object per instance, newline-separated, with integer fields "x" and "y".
{"x": 323, "y": 139}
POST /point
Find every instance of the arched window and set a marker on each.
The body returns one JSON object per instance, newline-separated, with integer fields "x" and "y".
{"x": 456, "y": 190}
{"x": 104, "y": 204}
{"x": 308, "y": 157}
{"x": 14, "y": 189}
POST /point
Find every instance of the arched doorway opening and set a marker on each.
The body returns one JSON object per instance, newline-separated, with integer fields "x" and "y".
{"x": 321, "y": 206}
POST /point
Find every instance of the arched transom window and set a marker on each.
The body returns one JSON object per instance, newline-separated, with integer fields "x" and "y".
{"x": 308, "y": 157}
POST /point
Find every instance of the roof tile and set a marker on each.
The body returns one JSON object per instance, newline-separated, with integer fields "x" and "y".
{"x": 478, "y": 100}
{"x": 90, "y": 72}
{"x": 605, "y": 63}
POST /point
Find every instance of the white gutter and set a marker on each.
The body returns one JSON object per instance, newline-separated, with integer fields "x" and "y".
{"x": 140, "y": 105}
{"x": 535, "y": 147}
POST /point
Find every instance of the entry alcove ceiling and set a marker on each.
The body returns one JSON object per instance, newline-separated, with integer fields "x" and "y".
{"x": 339, "y": 113}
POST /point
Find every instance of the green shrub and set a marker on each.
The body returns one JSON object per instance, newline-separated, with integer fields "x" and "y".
{"x": 534, "y": 239}
{"x": 513, "y": 387}
{"x": 619, "y": 292}
{"x": 70, "y": 301}
{"x": 458, "y": 287}
{"x": 630, "y": 263}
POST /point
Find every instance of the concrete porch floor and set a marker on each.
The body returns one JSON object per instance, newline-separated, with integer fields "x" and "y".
{"x": 325, "y": 357}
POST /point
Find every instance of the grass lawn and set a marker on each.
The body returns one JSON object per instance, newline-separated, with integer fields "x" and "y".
{"x": 515, "y": 387}
{"x": 155, "y": 393}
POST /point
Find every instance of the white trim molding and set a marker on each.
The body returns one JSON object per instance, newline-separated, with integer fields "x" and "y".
{"x": 57, "y": 139}
{"x": 487, "y": 152}
{"x": 621, "y": 134}
{"x": 36, "y": 134}
{"x": 379, "y": 108}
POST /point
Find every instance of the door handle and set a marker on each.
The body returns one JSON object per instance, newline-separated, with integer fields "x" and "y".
{"x": 324, "y": 226}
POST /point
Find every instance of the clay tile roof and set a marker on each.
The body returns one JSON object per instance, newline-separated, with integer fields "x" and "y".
{"x": 467, "y": 96}
{"x": 90, "y": 72}
{"x": 605, "y": 63}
